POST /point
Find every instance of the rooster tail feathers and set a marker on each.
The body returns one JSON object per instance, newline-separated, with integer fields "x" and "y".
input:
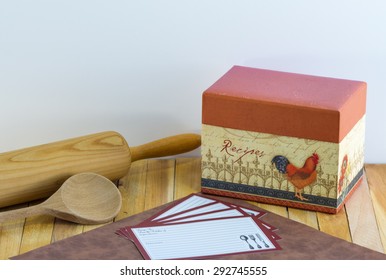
{"x": 281, "y": 163}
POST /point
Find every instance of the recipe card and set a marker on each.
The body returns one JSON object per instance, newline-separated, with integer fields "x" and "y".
{"x": 190, "y": 202}
{"x": 197, "y": 227}
{"x": 195, "y": 204}
{"x": 202, "y": 239}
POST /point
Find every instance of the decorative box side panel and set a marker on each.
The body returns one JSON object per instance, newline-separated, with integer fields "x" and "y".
{"x": 351, "y": 161}
{"x": 239, "y": 163}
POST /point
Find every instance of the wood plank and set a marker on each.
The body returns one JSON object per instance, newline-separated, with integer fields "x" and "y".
{"x": 188, "y": 177}
{"x": 133, "y": 190}
{"x": 362, "y": 220}
{"x": 376, "y": 175}
{"x": 154, "y": 182}
{"x": 159, "y": 182}
{"x": 11, "y": 233}
{"x": 63, "y": 229}
{"x": 306, "y": 217}
{"x": 335, "y": 224}
{"x": 279, "y": 210}
{"x": 87, "y": 228}
{"x": 37, "y": 231}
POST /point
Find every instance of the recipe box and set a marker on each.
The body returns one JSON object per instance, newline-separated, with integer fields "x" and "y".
{"x": 283, "y": 138}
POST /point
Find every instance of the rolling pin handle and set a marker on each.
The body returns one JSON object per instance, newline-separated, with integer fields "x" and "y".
{"x": 168, "y": 146}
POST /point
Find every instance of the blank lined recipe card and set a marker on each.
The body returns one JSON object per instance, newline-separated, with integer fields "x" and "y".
{"x": 198, "y": 227}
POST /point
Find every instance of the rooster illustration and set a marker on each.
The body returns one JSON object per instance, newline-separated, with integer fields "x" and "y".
{"x": 299, "y": 177}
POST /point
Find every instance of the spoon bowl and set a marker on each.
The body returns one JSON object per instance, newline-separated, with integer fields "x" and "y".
{"x": 85, "y": 198}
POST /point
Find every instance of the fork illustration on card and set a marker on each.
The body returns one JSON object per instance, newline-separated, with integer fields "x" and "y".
{"x": 251, "y": 236}
{"x": 245, "y": 238}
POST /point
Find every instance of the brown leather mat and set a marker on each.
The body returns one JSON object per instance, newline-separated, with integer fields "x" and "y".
{"x": 298, "y": 242}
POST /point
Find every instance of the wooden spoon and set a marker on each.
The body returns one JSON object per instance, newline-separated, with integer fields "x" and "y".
{"x": 85, "y": 198}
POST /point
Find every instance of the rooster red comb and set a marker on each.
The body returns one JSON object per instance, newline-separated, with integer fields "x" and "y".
{"x": 315, "y": 157}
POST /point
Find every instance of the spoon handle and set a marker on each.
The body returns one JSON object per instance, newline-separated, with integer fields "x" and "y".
{"x": 21, "y": 213}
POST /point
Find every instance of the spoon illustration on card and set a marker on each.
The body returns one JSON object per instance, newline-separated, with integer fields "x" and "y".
{"x": 244, "y": 238}
{"x": 85, "y": 198}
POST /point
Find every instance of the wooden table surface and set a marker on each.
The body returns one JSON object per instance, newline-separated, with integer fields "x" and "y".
{"x": 151, "y": 183}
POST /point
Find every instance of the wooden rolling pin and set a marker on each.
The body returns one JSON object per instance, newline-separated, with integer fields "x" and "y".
{"x": 37, "y": 172}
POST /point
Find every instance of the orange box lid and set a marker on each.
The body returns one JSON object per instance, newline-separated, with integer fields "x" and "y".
{"x": 287, "y": 104}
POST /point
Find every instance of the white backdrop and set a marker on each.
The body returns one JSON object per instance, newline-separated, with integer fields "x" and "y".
{"x": 71, "y": 68}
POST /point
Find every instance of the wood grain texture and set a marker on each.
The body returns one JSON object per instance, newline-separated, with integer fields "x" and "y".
{"x": 187, "y": 181}
{"x": 133, "y": 190}
{"x": 168, "y": 146}
{"x": 308, "y": 218}
{"x": 63, "y": 229}
{"x": 335, "y": 224}
{"x": 37, "y": 231}
{"x": 362, "y": 221}
{"x": 376, "y": 175}
{"x": 155, "y": 182}
{"x": 11, "y": 233}
{"x": 280, "y": 210}
{"x": 85, "y": 198}
{"x": 159, "y": 183}
{"x": 87, "y": 228}
{"x": 37, "y": 172}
